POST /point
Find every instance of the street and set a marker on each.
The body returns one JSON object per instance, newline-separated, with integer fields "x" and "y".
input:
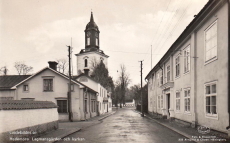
{"x": 125, "y": 126}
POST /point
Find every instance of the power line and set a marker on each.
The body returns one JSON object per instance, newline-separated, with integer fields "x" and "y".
{"x": 174, "y": 27}
{"x": 159, "y": 26}
{"x": 130, "y": 52}
{"x": 165, "y": 30}
{"x": 161, "y": 20}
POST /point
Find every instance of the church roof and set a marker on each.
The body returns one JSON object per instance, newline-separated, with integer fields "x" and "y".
{"x": 100, "y": 52}
{"x": 92, "y": 24}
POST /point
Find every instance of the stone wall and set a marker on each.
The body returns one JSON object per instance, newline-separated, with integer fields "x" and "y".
{"x": 21, "y": 120}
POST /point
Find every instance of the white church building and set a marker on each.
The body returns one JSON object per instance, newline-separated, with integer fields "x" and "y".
{"x": 87, "y": 58}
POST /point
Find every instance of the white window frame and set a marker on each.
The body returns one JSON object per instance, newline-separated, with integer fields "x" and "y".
{"x": 96, "y": 41}
{"x": 168, "y": 73}
{"x": 49, "y": 90}
{"x": 187, "y": 59}
{"x": 158, "y": 77}
{"x": 161, "y": 77}
{"x": 177, "y": 75}
{"x": 159, "y": 101}
{"x": 88, "y": 41}
{"x": 187, "y": 97}
{"x": 152, "y": 86}
{"x": 211, "y": 94}
{"x": 86, "y": 62}
{"x": 178, "y": 98}
{"x": 23, "y": 88}
{"x": 162, "y": 101}
{"x": 212, "y": 50}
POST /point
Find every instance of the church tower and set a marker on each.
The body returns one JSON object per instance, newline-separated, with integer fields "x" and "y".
{"x": 92, "y": 35}
{"x": 92, "y": 54}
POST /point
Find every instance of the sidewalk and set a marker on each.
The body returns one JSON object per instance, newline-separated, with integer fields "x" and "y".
{"x": 68, "y": 128}
{"x": 189, "y": 133}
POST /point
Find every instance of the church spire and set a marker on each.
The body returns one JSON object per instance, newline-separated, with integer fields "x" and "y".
{"x": 92, "y": 35}
{"x": 91, "y": 18}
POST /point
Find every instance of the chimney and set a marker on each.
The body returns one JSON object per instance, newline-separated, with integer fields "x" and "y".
{"x": 53, "y": 65}
{"x": 86, "y": 71}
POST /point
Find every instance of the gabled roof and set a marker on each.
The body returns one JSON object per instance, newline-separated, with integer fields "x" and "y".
{"x": 61, "y": 74}
{"x": 8, "y": 81}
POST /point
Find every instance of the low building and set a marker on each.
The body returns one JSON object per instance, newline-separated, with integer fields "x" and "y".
{"x": 191, "y": 81}
{"x": 6, "y": 84}
{"x": 51, "y": 85}
{"x": 104, "y": 101}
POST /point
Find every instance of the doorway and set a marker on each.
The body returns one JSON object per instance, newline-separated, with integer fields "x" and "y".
{"x": 168, "y": 104}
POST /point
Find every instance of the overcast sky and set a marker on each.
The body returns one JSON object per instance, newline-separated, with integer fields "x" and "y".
{"x": 37, "y": 31}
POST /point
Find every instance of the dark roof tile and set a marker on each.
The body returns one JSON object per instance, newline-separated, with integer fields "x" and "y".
{"x": 8, "y": 81}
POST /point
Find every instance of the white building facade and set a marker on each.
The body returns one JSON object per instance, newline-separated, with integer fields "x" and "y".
{"x": 190, "y": 82}
{"x": 104, "y": 101}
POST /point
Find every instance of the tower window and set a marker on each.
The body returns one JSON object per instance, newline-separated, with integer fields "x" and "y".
{"x": 96, "y": 42}
{"x": 88, "y": 41}
{"x": 86, "y": 63}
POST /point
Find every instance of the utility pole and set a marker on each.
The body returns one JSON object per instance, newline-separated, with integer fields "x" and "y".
{"x": 142, "y": 112}
{"x": 69, "y": 91}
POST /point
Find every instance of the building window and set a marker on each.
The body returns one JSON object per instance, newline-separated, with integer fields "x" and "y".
{"x": 161, "y": 101}
{"x": 86, "y": 105}
{"x": 187, "y": 59}
{"x": 211, "y": 42}
{"x": 168, "y": 73}
{"x": 210, "y": 97}
{"x": 91, "y": 106}
{"x": 187, "y": 100}
{"x": 48, "y": 84}
{"x": 88, "y": 41}
{"x": 94, "y": 106}
{"x": 178, "y": 101}
{"x": 62, "y": 106}
{"x": 26, "y": 87}
{"x": 177, "y": 66}
{"x": 96, "y": 42}
{"x": 100, "y": 92}
{"x": 86, "y": 63}
{"x": 159, "y": 78}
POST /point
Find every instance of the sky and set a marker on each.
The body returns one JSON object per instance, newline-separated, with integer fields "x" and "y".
{"x": 37, "y": 31}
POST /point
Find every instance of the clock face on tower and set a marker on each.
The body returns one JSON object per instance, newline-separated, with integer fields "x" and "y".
{"x": 88, "y": 34}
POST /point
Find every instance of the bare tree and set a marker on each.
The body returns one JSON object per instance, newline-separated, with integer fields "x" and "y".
{"x": 123, "y": 82}
{"x": 62, "y": 65}
{"x": 22, "y": 68}
{"x": 4, "y": 70}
